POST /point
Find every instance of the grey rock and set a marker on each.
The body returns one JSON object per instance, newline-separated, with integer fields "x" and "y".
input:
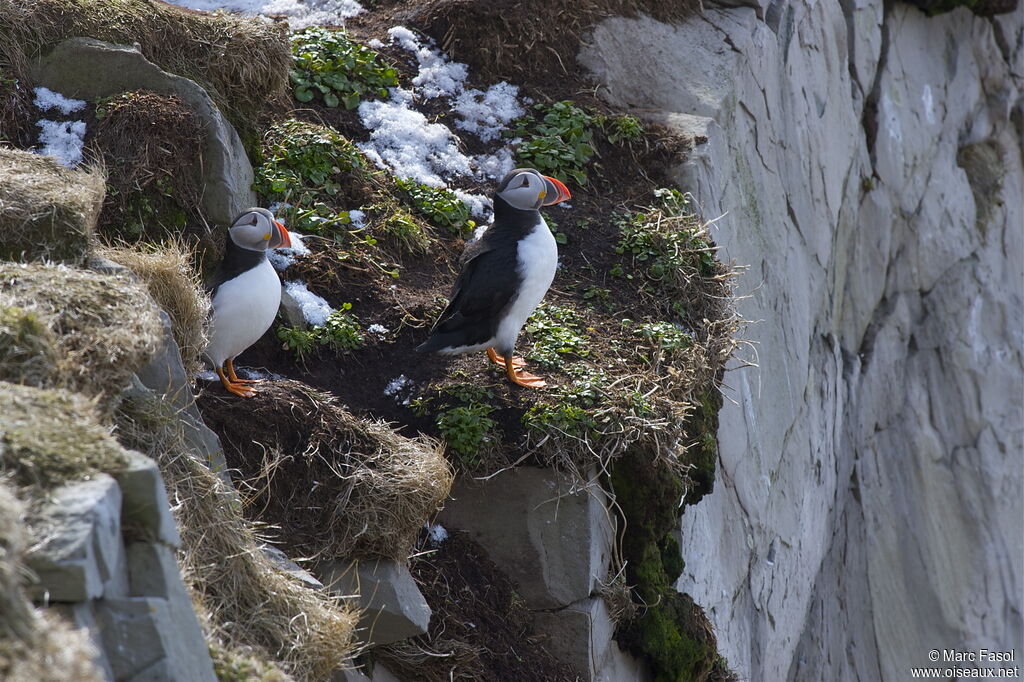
{"x": 80, "y": 555}
{"x": 153, "y": 572}
{"x": 144, "y": 640}
{"x": 579, "y": 634}
{"x": 165, "y": 374}
{"x": 292, "y": 310}
{"x": 87, "y": 68}
{"x": 866, "y": 158}
{"x": 394, "y": 608}
{"x": 553, "y": 540}
{"x": 145, "y": 507}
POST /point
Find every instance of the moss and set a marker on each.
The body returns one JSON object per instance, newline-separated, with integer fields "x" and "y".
{"x": 47, "y": 212}
{"x": 671, "y": 633}
{"x": 103, "y": 328}
{"x": 51, "y": 437}
{"x": 702, "y": 453}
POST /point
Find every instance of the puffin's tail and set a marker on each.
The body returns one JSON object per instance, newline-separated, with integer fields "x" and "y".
{"x": 432, "y": 345}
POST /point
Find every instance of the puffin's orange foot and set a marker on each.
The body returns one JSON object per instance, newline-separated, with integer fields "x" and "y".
{"x": 234, "y": 377}
{"x": 238, "y": 389}
{"x": 523, "y": 378}
{"x": 517, "y": 361}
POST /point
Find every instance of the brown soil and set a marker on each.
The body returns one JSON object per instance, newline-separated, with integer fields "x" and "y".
{"x": 480, "y": 626}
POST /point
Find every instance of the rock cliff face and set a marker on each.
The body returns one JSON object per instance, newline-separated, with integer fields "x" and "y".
{"x": 867, "y": 159}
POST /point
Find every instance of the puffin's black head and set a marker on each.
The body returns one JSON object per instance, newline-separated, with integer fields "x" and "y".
{"x": 257, "y": 230}
{"x": 526, "y": 189}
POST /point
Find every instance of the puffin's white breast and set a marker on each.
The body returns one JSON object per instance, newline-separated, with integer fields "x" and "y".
{"x": 537, "y": 258}
{"x": 243, "y": 310}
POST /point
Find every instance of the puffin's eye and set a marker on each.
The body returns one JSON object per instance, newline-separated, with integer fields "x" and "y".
{"x": 526, "y": 181}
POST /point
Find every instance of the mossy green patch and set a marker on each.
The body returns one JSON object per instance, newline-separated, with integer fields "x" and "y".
{"x": 702, "y": 452}
{"x": 670, "y": 632}
{"x": 50, "y": 437}
{"x": 329, "y": 64}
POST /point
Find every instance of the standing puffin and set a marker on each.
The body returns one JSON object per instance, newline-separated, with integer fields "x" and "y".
{"x": 245, "y": 293}
{"x": 504, "y": 276}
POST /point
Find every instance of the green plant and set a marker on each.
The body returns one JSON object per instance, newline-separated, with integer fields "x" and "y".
{"x": 598, "y": 295}
{"x": 438, "y": 205}
{"x": 666, "y": 335}
{"x": 556, "y": 335}
{"x": 570, "y": 419}
{"x": 342, "y": 71}
{"x": 465, "y": 428}
{"x": 557, "y": 140}
{"x": 624, "y": 127}
{"x": 340, "y": 332}
{"x": 560, "y": 237}
{"x": 405, "y": 231}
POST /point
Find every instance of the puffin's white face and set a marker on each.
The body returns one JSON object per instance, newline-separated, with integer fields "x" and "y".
{"x": 257, "y": 230}
{"x": 526, "y": 189}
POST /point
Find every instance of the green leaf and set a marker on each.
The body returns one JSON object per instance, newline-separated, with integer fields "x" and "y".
{"x": 330, "y": 99}
{"x": 303, "y": 94}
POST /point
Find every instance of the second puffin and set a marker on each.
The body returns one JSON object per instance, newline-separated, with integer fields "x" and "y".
{"x": 504, "y": 276}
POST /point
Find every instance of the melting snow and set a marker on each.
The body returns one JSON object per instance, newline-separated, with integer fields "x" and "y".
{"x": 47, "y": 99}
{"x": 437, "y": 534}
{"x": 314, "y": 308}
{"x": 486, "y": 114}
{"x": 397, "y": 387}
{"x": 282, "y": 258}
{"x": 60, "y": 139}
{"x": 437, "y": 75}
{"x": 357, "y": 219}
{"x": 300, "y": 13}
{"x": 378, "y": 329}
{"x": 207, "y": 375}
{"x": 63, "y": 140}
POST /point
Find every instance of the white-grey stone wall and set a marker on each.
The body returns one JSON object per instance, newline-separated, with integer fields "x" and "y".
{"x": 867, "y": 160}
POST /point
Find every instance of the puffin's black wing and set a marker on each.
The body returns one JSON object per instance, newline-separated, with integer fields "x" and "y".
{"x": 236, "y": 261}
{"x": 484, "y": 288}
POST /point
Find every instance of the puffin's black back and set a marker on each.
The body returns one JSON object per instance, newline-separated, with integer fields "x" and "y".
{"x": 487, "y": 284}
{"x": 236, "y": 261}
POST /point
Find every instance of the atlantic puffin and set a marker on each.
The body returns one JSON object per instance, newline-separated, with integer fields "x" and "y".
{"x": 504, "y": 276}
{"x": 245, "y": 293}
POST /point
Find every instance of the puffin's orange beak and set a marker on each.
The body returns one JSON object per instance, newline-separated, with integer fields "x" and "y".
{"x": 556, "y": 191}
{"x": 283, "y": 239}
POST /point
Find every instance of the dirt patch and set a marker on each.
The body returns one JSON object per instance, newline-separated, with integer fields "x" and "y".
{"x": 480, "y": 628}
{"x": 325, "y": 482}
{"x": 150, "y": 146}
{"x": 533, "y": 42}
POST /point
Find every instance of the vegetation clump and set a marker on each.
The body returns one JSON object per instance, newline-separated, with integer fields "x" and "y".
{"x": 47, "y": 212}
{"x": 168, "y": 272}
{"x": 51, "y": 437}
{"x": 556, "y": 335}
{"x": 557, "y": 140}
{"x": 340, "y": 70}
{"x": 461, "y": 412}
{"x": 341, "y": 332}
{"x": 314, "y": 173}
{"x": 150, "y": 146}
{"x": 94, "y": 353}
{"x": 438, "y": 205}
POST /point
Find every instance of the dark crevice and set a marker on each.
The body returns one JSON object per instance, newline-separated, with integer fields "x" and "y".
{"x": 870, "y": 117}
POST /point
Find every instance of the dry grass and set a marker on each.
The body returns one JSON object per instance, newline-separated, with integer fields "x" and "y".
{"x": 35, "y": 646}
{"x": 151, "y": 146}
{"x": 241, "y": 61}
{"x": 251, "y": 604}
{"x": 95, "y": 329}
{"x": 47, "y": 212}
{"x": 170, "y": 276}
{"x": 335, "y": 484}
{"x": 52, "y": 436}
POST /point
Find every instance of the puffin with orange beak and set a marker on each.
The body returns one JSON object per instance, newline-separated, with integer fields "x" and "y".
{"x": 245, "y": 293}
{"x": 505, "y": 275}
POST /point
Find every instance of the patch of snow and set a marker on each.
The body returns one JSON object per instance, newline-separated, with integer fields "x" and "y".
{"x": 479, "y": 205}
{"x": 436, "y": 534}
{"x": 437, "y": 76}
{"x": 357, "y": 219}
{"x": 403, "y": 141}
{"x": 497, "y": 165}
{"x": 207, "y": 375}
{"x": 282, "y": 258}
{"x": 487, "y": 114}
{"x": 378, "y": 329}
{"x": 62, "y": 140}
{"x": 398, "y": 387}
{"x": 256, "y": 374}
{"x": 300, "y": 13}
{"x": 564, "y": 204}
{"x": 374, "y": 43}
{"x": 314, "y": 308}
{"x": 47, "y": 99}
